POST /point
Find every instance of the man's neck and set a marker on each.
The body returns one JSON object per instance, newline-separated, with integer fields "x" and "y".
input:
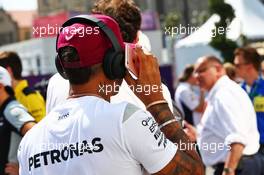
{"x": 251, "y": 78}
{"x": 82, "y": 90}
{"x": 96, "y": 86}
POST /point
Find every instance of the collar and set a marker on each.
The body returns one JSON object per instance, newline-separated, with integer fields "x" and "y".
{"x": 219, "y": 83}
{"x": 247, "y": 87}
{"x": 20, "y": 86}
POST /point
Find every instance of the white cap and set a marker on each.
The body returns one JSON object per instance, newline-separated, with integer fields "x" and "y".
{"x": 5, "y": 78}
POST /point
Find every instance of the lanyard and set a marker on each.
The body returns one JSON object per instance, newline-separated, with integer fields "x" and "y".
{"x": 253, "y": 91}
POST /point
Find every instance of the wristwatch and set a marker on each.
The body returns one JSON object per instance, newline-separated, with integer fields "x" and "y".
{"x": 228, "y": 170}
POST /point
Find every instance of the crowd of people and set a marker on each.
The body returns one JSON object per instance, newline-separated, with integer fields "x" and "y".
{"x": 81, "y": 129}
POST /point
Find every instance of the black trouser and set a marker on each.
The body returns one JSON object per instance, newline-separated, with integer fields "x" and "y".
{"x": 248, "y": 165}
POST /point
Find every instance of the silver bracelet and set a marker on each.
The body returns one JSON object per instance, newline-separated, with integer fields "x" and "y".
{"x": 167, "y": 123}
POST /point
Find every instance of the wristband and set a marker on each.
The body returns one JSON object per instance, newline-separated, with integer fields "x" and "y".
{"x": 167, "y": 123}
{"x": 156, "y": 103}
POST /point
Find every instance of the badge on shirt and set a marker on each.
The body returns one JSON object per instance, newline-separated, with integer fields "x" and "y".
{"x": 259, "y": 104}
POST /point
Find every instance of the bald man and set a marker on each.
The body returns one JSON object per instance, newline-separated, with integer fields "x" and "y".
{"x": 227, "y": 135}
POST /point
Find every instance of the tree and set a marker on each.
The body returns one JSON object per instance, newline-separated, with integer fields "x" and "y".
{"x": 219, "y": 41}
{"x": 172, "y": 19}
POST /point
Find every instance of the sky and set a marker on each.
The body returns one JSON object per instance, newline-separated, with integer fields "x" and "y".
{"x": 18, "y": 4}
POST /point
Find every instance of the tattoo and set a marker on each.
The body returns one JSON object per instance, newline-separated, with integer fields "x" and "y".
{"x": 172, "y": 131}
{"x": 182, "y": 164}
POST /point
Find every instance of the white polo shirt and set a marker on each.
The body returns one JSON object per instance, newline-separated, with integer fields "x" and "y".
{"x": 89, "y": 136}
{"x": 228, "y": 118}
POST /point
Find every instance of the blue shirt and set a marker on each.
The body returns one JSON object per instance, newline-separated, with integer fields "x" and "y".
{"x": 256, "y": 95}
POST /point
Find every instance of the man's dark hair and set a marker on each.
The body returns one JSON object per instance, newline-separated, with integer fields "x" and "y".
{"x": 12, "y": 60}
{"x": 250, "y": 56}
{"x": 126, "y": 14}
{"x": 75, "y": 76}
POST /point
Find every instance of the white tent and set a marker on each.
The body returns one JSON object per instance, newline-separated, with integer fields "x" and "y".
{"x": 249, "y": 18}
{"x": 249, "y": 21}
{"x": 37, "y": 55}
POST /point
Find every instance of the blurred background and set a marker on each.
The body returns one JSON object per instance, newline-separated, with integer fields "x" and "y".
{"x": 179, "y": 31}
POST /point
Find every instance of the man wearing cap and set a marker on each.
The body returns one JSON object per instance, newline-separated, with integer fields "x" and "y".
{"x": 13, "y": 118}
{"x": 89, "y": 135}
{"x": 128, "y": 16}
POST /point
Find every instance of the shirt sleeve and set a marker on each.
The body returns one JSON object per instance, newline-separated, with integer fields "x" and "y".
{"x": 146, "y": 143}
{"x": 17, "y": 115}
{"x": 234, "y": 118}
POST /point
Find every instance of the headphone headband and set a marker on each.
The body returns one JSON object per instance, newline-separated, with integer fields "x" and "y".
{"x": 113, "y": 61}
{"x": 88, "y": 19}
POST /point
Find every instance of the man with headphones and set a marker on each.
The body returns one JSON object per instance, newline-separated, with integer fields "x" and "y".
{"x": 128, "y": 16}
{"x": 89, "y": 135}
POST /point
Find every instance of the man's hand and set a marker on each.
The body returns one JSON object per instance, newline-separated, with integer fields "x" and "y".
{"x": 190, "y": 131}
{"x": 12, "y": 169}
{"x": 149, "y": 76}
{"x": 26, "y": 127}
{"x": 234, "y": 157}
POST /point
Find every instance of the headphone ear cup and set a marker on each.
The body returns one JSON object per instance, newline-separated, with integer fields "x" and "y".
{"x": 114, "y": 65}
{"x": 59, "y": 67}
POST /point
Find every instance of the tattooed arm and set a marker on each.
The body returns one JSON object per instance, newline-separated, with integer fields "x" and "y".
{"x": 185, "y": 162}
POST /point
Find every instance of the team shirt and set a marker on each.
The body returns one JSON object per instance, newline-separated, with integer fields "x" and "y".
{"x": 31, "y": 99}
{"x": 90, "y": 136}
{"x": 256, "y": 94}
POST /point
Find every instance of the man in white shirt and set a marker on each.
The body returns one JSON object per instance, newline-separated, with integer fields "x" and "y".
{"x": 227, "y": 134}
{"x": 87, "y": 135}
{"x": 128, "y": 15}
